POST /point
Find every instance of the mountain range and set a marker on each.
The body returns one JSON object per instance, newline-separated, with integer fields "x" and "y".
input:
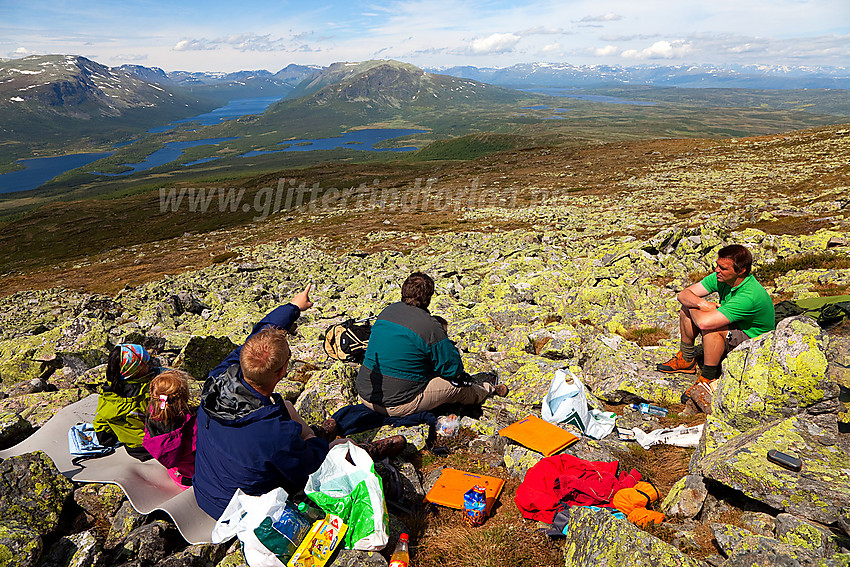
{"x": 283, "y": 81}
{"x": 542, "y": 74}
{"x": 70, "y": 99}
{"x": 687, "y": 76}
{"x": 64, "y": 104}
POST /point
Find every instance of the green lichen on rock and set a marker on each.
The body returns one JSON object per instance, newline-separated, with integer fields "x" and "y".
{"x": 716, "y": 433}
{"x": 597, "y": 539}
{"x": 780, "y": 372}
{"x": 202, "y": 354}
{"x": 13, "y": 428}
{"x": 38, "y": 408}
{"x": 327, "y": 391}
{"x": 235, "y": 559}
{"x": 20, "y": 358}
{"x": 619, "y": 371}
{"x": 818, "y": 492}
{"x": 20, "y": 545}
{"x": 33, "y": 492}
{"x": 803, "y": 536}
{"x": 518, "y": 460}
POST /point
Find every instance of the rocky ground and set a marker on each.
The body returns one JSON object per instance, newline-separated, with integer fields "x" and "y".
{"x": 555, "y": 279}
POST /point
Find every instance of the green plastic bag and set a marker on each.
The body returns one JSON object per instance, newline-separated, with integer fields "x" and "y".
{"x": 347, "y": 486}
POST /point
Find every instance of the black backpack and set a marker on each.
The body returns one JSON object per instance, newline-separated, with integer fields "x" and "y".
{"x": 347, "y": 341}
{"x": 827, "y": 311}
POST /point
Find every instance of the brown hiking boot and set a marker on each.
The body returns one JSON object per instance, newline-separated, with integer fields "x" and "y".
{"x": 700, "y": 394}
{"x": 501, "y": 390}
{"x": 328, "y": 430}
{"x": 386, "y": 448}
{"x": 678, "y": 364}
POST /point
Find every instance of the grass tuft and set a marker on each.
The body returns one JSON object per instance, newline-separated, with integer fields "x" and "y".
{"x": 767, "y": 273}
{"x": 644, "y": 336}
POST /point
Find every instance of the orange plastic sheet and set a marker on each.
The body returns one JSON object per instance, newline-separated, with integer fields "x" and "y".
{"x": 453, "y": 484}
{"x": 539, "y": 435}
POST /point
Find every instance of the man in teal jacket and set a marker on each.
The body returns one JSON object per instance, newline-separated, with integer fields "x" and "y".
{"x": 410, "y": 363}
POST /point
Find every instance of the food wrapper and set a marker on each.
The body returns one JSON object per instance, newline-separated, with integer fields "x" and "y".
{"x": 320, "y": 543}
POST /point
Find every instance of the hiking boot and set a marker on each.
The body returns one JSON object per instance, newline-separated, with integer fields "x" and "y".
{"x": 386, "y": 448}
{"x": 678, "y": 364}
{"x": 328, "y": 430}
{"x": 501, "y": 390}
{"x": 690, "y": 409}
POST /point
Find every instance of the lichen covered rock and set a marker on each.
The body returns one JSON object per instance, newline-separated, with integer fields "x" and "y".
{"x": 595, "y": 538}
{"x": 76, "y": 550}
{"x": 775, "y": 375}
{"x": 327, "y": 391}
{"x": 202, "y": 354}
{"x": 13, "y": 428}
{"x": 620, "y": 371}
{"x": 38, "y": 408}
{"x": 819, "y": 492}
{"x": 20, "y": 545}
{"x": 686, "y": 498}
{"x": 32, "y": 492}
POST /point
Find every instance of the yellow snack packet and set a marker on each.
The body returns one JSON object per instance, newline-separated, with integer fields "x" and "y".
{"x": 319, "y": 543}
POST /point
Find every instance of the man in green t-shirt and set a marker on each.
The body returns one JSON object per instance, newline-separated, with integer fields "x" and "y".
{"x": 745, "y": 311}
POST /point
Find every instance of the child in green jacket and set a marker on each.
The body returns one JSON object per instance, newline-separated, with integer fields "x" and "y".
{"x": 123, "y": 402}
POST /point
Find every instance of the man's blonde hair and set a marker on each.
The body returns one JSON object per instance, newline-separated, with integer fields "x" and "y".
{"x": 263, "y": 355}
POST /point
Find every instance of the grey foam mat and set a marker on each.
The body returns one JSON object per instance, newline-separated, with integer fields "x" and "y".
{"x": 146, "y": 484}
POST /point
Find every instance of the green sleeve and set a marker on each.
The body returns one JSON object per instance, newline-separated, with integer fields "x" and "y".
{"x": 709, "y": 282}
{"x": 446, "y": 359}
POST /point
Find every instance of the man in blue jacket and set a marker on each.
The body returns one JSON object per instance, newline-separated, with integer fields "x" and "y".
{"x": 248, "y": 436}
{"x": 410, "y": 364}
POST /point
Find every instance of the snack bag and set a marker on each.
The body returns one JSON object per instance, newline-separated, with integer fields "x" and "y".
{"x": 320, "y": 542}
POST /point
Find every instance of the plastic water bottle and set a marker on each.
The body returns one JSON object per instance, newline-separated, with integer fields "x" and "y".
{"x": 312, "y": 513}
{"x": 293, "y": 525}
{"x": 400, "y": 557}
{"x": 649, "y": 409}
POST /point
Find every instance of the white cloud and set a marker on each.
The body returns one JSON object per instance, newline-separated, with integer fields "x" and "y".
{"x": 609, "y": 17}
{"x": 605, "y": 51}
{"x": 130, "y": 57}
{"x": 192, "y": 45}
{"x": 660, "y": 50}
{"x": 551, "y": 48}
{"x": 241, "y": 42}
{"x": 540, "y": 30}
{"x": 21, "y": 52}
{"x": 494, "y": 43}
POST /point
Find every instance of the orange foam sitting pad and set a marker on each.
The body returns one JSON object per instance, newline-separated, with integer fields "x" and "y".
{"x": 453, "y": 484}
{"x": 539, "y": 435}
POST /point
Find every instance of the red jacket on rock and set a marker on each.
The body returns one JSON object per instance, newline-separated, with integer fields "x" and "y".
{"x": 565, "y": 480}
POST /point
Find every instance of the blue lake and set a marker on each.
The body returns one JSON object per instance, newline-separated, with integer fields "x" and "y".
{"x": 564, "y": 92}
{"x": 171, "y": 152}
{"x": 233, "y": 109}
{"x": 357, "y": 140}
{"x": 41, "y": 170}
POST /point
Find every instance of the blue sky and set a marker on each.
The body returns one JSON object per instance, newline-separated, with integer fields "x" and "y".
{"x": 212, "y": 35}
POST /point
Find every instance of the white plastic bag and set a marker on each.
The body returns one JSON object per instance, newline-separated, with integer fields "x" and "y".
{"x": 680, "y": 436}
{"x": 353, "y": 491}
{"x": 242, "y": 515}
{"x": 567, "y": 403}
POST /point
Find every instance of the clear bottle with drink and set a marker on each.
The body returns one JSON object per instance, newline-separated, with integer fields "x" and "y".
{"x": 649, "y": 409}
{"x": 401, "y": 556}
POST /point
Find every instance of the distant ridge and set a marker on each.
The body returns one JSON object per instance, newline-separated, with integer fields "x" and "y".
{"x": 291, "y": 75}
{"x": 75, "y": 86}
{"x": 700, "y": 76}
{"x": 59, "y": 97}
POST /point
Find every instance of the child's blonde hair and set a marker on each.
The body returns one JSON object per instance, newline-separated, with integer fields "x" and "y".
{"x": 169, "y": 396}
